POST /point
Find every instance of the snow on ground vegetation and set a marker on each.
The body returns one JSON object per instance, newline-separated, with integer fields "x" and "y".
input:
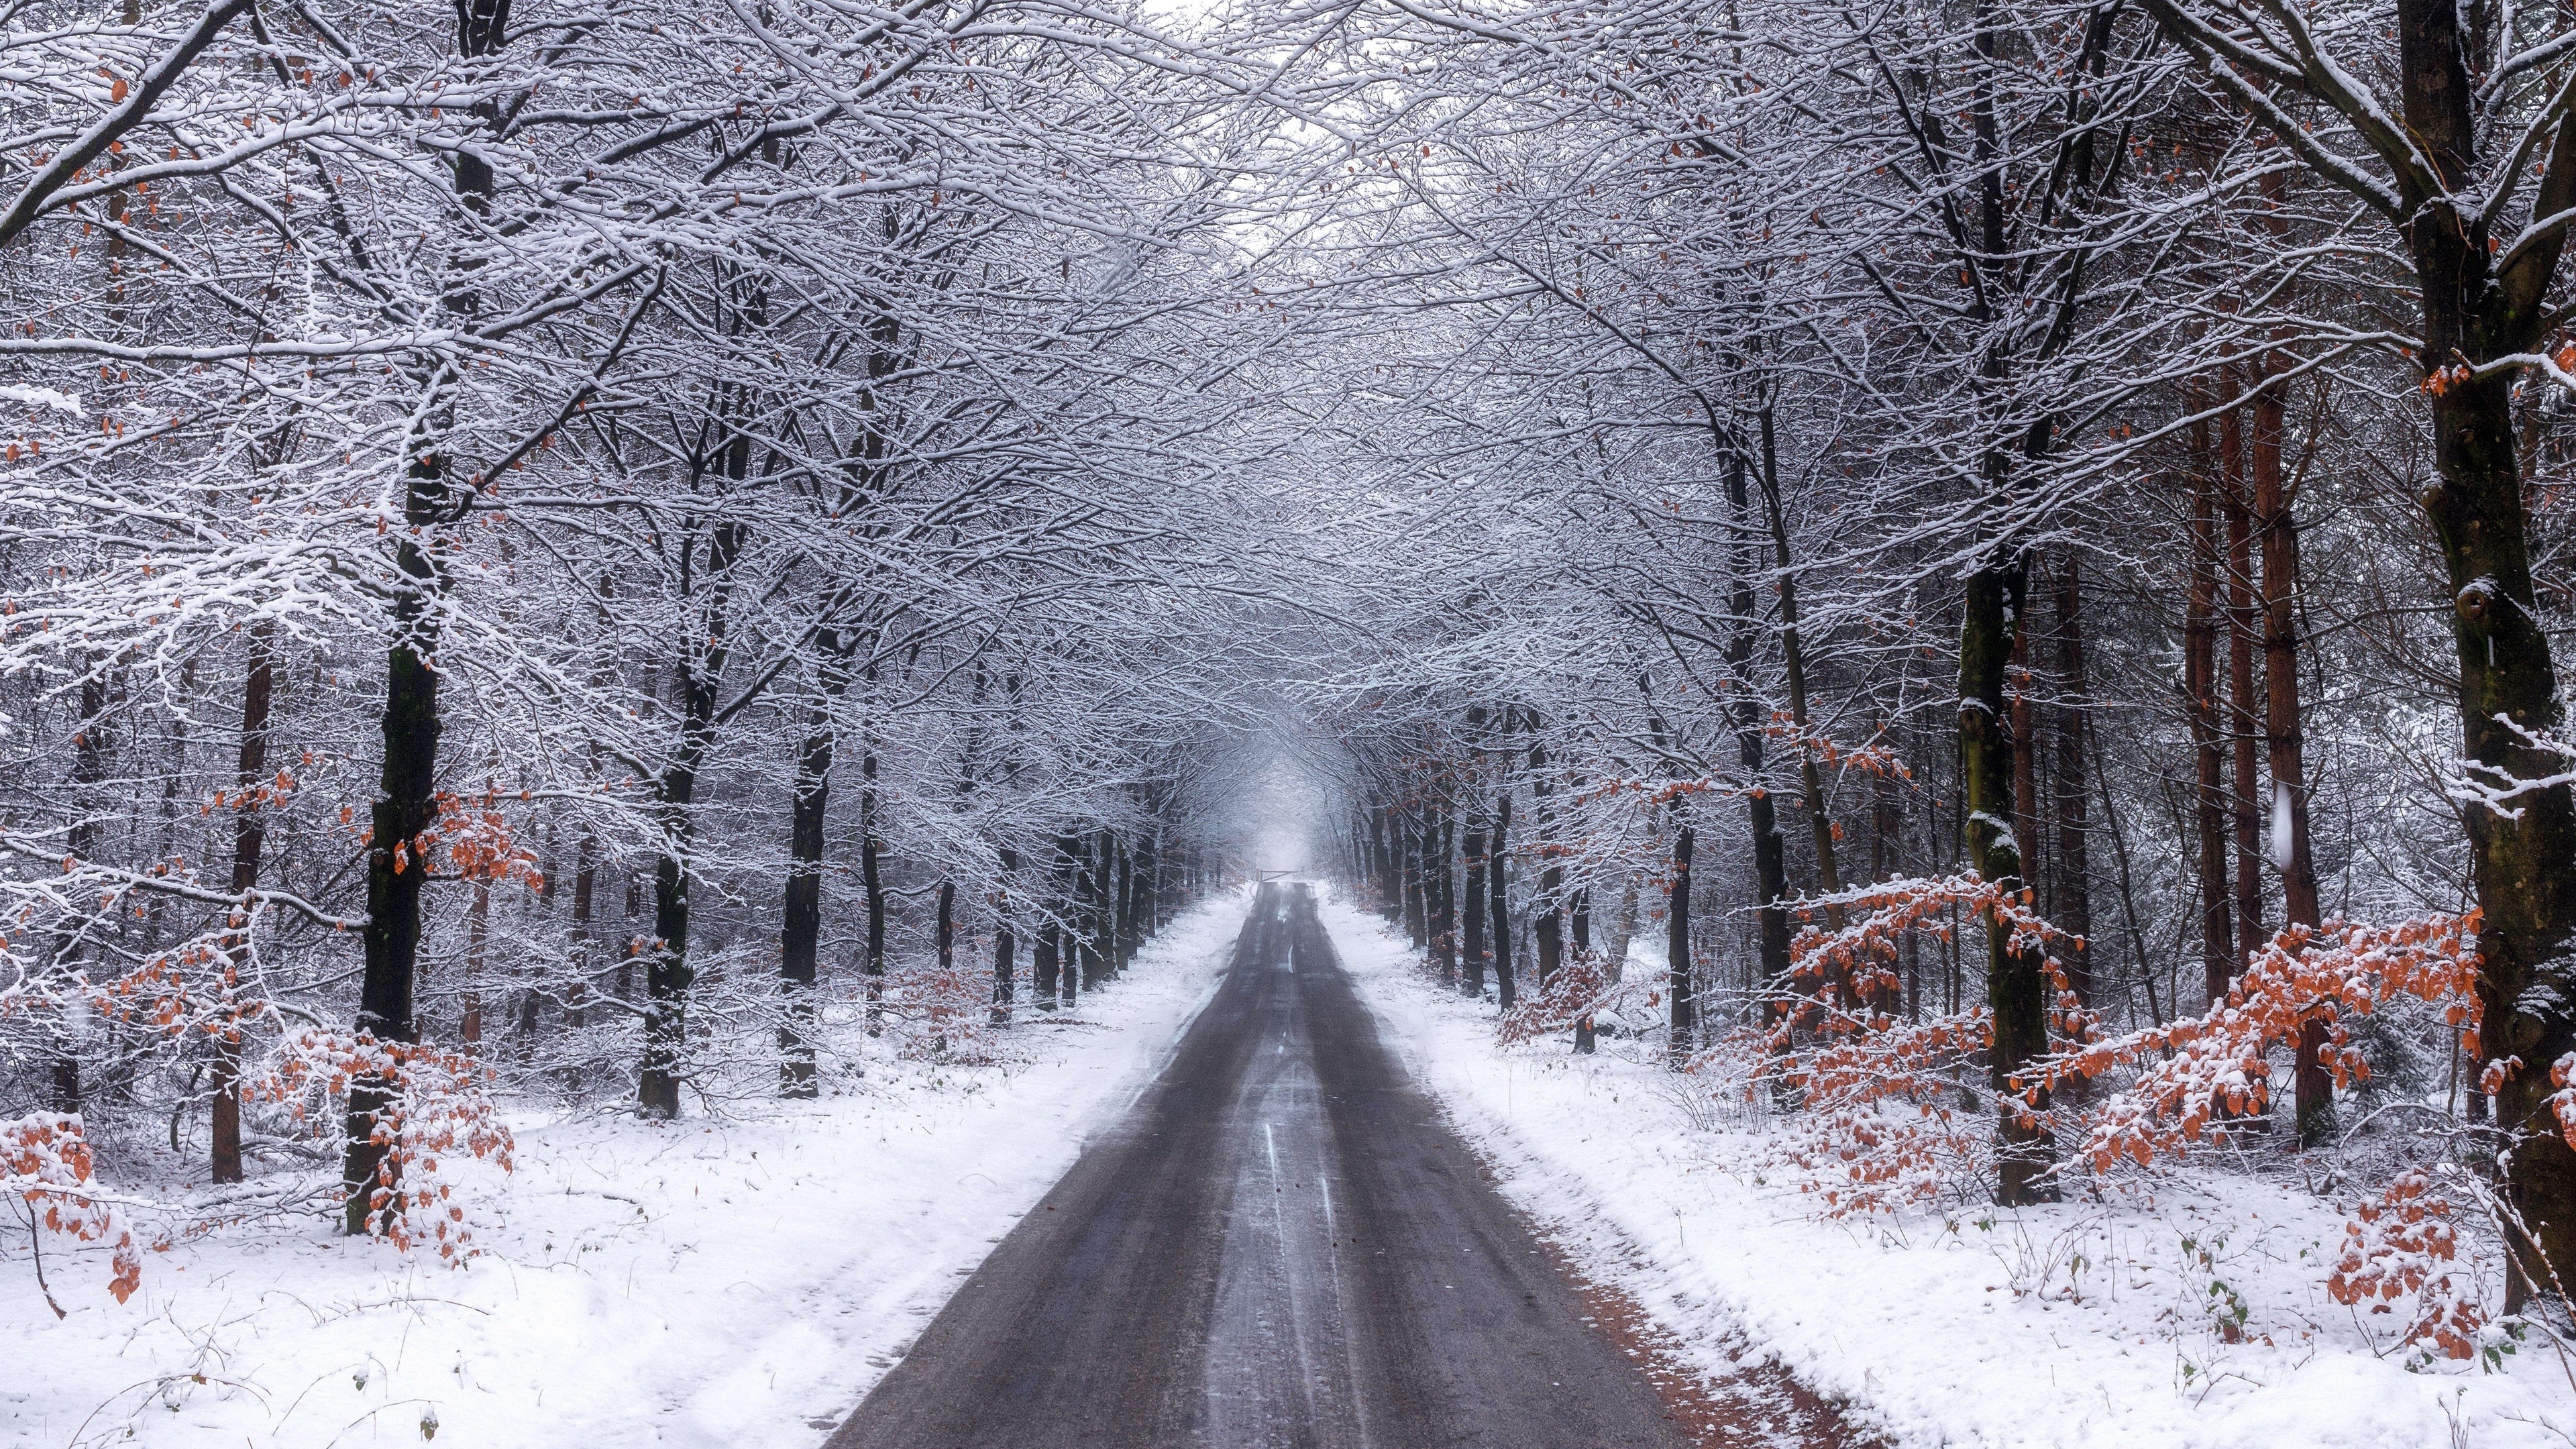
{"x": 730, "y": 1279}
{"x": 2190, "y": 1316}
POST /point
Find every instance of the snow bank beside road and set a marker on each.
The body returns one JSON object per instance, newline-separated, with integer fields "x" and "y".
{"x": 2100, "y": 1325}
{"x": 703, "y": 1282}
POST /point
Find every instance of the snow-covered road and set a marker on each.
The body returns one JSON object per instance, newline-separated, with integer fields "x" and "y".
{"x": 1286, "y": 1245}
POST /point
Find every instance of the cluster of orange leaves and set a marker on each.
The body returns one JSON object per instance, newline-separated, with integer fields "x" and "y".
{"x": 2442, "y": 379}
{"x": 944, "y": 1014}
{"x": 1579, "y": 987}
{"x": 2399, "y": 1246}
{"x": 1876, "y": 1127}
{"x": 478, "y": 841}
{"x": 474, "y": 836}
{"x": 440, "y": 1106}
{"x": 45, "y": 1163}
{"x": 1848, "y": 1062}
{"x": 2193, "y": 1075}
{"x": 1874, "y": 759}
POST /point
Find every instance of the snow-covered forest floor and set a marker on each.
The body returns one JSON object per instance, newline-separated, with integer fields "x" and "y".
{"x": 2194, "y": 1317}
{"x": 736, "y": 1279}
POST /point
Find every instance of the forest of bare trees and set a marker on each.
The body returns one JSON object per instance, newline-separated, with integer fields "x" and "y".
{"x": 1981, "y": 578}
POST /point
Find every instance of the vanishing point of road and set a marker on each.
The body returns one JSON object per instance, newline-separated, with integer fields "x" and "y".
{"x": 1283, "y": 1244}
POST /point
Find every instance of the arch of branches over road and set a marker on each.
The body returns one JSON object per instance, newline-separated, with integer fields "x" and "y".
{"x": 1985, "y": 580}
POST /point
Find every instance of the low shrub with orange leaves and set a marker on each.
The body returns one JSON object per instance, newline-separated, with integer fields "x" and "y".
{"x": 1583, "y": 986}
{"x": 441, "y": 1108}
{"x": 1881, "y": 1117}
{"x": 1877, "y": 1121}
{"x": 2403, "y": 1247}
{"x": 2193, "y": 1075}
{"x": 45, "y": 1164}
{"x": 943, "y": 1013}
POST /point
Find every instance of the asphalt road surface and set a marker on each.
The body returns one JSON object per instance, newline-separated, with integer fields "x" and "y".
{"x": 1284, "y": 1245}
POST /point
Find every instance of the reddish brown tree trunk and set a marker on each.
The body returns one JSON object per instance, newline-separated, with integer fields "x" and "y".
{"x": 2312, "y": 1085}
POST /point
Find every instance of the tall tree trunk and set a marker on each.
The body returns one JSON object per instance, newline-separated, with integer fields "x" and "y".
{"x": 2025, "y": 753}
{"x": 944, "y": 932}
{"x": 406, "y": 806}
{"x": 1071, "y": 884}
{"x": 1042, "y": 966}
{"x": 801, "y": 930}
{"x": 2017, "y": 985}
{"x": 1472, "y": 981}
{"x": 1005, "y": 946}
{"x": 1417, "y": 882}
{"x": 250, "y": 834}
{"x": 89, "y": 805}
{"x": 1548, "y": 924}
{"x": 1682, "y": 1037}
{"x": 2067, "y": 772}
{"x": 1623, "y": 928}
{"x": 872, "y": 884}
{"x": 668, "y": 974}
{"x": 585, "y": 890}
{"x": 2218, "y": 953}
{"x": 1381, "y": 873}
{"x": 1096, "y": 961}
{"x": 2523, "y": 863}
{"x": 2244, "y": 723}
{"x": 1498, "y": 897}
{"x": 1580, "y": 915}
{"x": 1444, "y": 897}
{"x": 1793, "y": 660}
{"x": 478, "y": 942}
{"x": 2312, "y": 1084}
{"x": 1770, "y": 852}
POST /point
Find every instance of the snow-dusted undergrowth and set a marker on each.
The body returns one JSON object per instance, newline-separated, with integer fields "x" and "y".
{"x": 2194, "y": 1319}
{"x": 705, "y": 1282}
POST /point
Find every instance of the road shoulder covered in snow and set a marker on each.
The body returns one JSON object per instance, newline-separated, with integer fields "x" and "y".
{"x": 2198, "y": 1318}
{"x": 741, "y": 1280}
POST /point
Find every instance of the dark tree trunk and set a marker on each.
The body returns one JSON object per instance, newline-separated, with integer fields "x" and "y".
{"x": 1417, "y": 883}
{"x": 1131, "y": 933}
{"x": 1472, "y": 981}
{"x": 2017, "y": 985}
{"x": 1580, "y": 914}
{"x": 944, "y": 937}
{"x": 2218, "y": 953}
{"x": 250, "y": 834}
{"x": 872, "y": 884}
{"x": 1444, "y": 900}
{"x": 1095, "y": 897}
{"x": 2025, "y": 754}
{"x": 1381, "y": 874}
{"x": 1683, "y": 1038}
{"x": 2524, "y": 864}
{"x": 1770, "y": 852}
{"x": 1498, "y": 898}
{"x": 406, "y": 806}
{"x": 1042, "y": 967}
{"x": 2074, "y": 876}
{"x": 89, "y": 777}
{"x": 2312, "y": 1086}
{"x": 1793, "y": 661}
{"x": 802, "y": 930}
{"x": 1005, "y": 945}
{"x": 668, "y": 974}
{"x": 2244, "y": 725}
{"x": 585, "y": 889}
{"x": 1071, "y": 883}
